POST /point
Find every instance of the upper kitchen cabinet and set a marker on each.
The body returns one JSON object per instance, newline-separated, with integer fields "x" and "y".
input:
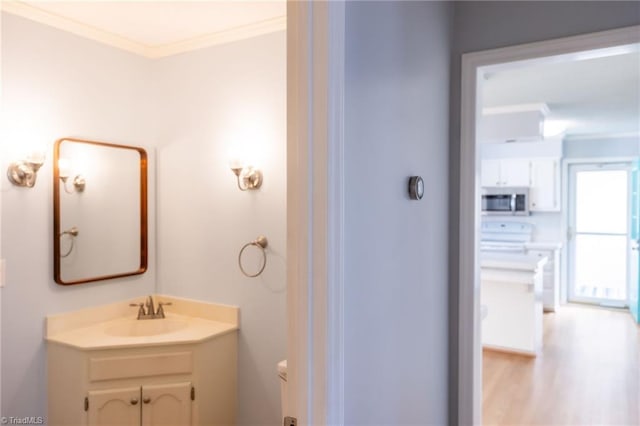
{"x": 506, "y": 172}
{"x": 544, "y": 193}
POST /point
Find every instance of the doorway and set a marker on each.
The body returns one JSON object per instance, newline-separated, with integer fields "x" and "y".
{"x": 598, "y": 233}
{"x": 475, "y": 69}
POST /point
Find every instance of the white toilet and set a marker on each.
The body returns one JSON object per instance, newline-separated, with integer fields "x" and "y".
{"x": 282, "y": 373}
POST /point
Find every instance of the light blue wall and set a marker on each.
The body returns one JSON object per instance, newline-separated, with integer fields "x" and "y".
{"x": 602, "y": 147}
{"x": 214, "y": 100}
{"x": 396, "y": 111}
{"x": 188, "y": 109}
{"x": 56, "y": 84}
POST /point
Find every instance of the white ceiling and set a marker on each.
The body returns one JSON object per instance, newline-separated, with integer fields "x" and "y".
{"x": 594, "y": 97}
{"x": 157, "y": 28}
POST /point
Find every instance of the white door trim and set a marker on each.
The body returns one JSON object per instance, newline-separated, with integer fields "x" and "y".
{"x": 315, "y": 116}
{"x": 469, "y": 346}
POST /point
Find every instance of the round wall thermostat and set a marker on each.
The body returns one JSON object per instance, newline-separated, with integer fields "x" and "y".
{"x": 416, "y": 187}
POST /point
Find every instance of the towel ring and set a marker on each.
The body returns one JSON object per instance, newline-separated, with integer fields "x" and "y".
{"x": 72, "y": 233}
{"x": 261, "y": 243}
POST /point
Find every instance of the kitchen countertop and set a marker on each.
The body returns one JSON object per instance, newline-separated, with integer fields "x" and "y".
{"x": 509, "y": 261}
{"x": 543, "y": 245}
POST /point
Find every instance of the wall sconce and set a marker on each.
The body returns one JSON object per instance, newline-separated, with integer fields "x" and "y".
{"x": 25, "y": 172}
{"x": 248, "y": 177}
{"x": 64, "y": 171}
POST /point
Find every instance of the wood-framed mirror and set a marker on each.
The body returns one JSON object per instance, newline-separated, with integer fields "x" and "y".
{"x": 99, "y": 211}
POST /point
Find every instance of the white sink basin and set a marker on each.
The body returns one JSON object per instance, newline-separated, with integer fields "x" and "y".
{"x": 149, "y": 327}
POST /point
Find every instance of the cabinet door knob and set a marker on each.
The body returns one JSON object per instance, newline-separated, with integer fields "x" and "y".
{"x": 134, "y": 401}
{"x": 146, "y": 400}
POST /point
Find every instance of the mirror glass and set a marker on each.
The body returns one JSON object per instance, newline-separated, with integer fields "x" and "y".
{"x": 100, "y": 211}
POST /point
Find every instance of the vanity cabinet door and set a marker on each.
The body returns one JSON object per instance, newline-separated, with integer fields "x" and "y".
{"x": 166, "y": 404}
{"x": 114, "y": 407}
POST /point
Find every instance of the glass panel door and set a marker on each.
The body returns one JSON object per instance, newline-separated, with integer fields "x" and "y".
{"x": 599, "y": 233}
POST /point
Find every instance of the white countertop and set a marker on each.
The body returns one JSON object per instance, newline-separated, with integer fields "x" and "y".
{"x": 509, "y": 261}
{"x": 97, "y": 336}
{"x": 187, "y": 321}
{"x": 543, "y": 245}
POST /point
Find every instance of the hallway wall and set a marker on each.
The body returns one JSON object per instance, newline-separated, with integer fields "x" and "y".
{"x": 396, "y": 125}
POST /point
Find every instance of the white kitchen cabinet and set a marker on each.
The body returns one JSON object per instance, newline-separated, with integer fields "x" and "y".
{"x": 544, "y": 194}
{"x": 512, "y": 293}
{"x": 550, "y": 276}
{"x": 506, "y": 172}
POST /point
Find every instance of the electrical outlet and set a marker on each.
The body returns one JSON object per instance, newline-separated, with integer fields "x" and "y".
{"x": 290, "y": 421}
{"x": 3, "y": 267}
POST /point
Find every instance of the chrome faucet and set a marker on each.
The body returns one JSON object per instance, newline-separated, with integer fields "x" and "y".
{"x": 150, "y": 309}
{"x": 150, "y": 313}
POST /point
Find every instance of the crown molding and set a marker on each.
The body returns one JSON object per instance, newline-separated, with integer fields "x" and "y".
{"x": 540, "y": 107}
{"x": 155, "y": 51}
{"x": 222, "y": 37}
{"x": 603, "y": 136}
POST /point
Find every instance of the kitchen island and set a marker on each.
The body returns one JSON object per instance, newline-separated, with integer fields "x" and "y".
{"x": 512, "y": 292}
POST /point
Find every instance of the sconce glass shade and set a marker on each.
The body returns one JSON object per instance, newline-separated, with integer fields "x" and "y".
{"x": 64, "y": 168}
{"x": 36, "y": 159}
{"x": 64, "y": 171}
{"x": 247, "y": 177}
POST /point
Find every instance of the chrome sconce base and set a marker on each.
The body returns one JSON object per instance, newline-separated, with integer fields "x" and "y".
{"x": 79, "y": 184}
{"x": 23, "y": 173}
{"x": 248, "y": 177}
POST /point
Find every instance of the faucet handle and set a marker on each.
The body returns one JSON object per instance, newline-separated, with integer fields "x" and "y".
{"x": 140, "y": 307}
{"x": 160, "y": 312}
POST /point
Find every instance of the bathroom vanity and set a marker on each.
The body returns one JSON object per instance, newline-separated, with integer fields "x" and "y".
{"x": 106, "y": 367}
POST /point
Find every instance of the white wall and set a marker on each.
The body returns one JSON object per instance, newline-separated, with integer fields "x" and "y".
{"x": 395, "y": 309}
{"x": 213, "y": 100}
{"x": 55, "y": 85}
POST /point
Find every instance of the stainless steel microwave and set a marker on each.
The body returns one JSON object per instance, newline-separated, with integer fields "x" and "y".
{"x": 507, "y": 201}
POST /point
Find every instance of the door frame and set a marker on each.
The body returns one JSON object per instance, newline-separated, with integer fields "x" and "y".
{"x": 569, "y": 209}
{"x": 315, "y": 211}
{"x": 469, "y": 349}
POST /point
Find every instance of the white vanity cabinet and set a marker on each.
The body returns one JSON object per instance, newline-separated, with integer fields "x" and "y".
{"x": 192, "y": 384}
{"x": 167, "y": 404}
{"x": 550, "y": 275}
{"x": 114, "y": 407}
{"x": 146, "y": 405}
{"x": 105, "y": 367}
{"x": 505, "y": 172}
{"x": 544, "y": 193}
